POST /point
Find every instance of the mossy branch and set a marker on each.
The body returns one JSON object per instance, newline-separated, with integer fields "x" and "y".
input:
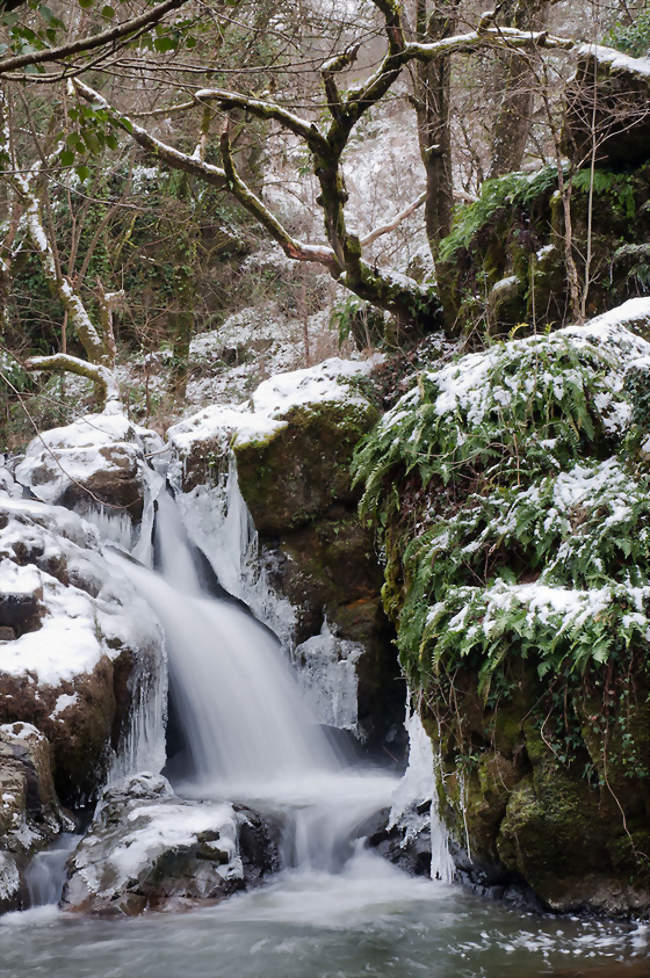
{"x": 291, "y": 247}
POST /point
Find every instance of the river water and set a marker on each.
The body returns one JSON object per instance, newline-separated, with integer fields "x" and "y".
{"x": 370, "y": 921}
{"x": 338, "y": 910}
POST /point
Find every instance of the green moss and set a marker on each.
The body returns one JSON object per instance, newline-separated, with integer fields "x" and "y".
{"x": 302, "y": 468}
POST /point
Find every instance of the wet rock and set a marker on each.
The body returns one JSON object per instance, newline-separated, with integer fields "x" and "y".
{"x": 82, "y": 647}
{"x": 408, "y": 849}
{"x": 30, "y": 813}
{"x": 146, "y": 849}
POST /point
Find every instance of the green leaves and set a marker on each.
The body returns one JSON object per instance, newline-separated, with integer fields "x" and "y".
{"x": 95, "y": 130}
{"x": 532, "y": 535}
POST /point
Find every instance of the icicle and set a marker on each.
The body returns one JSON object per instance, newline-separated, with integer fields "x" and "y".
{"x": 218, "y": 522}
{"x": 416, "y": 788}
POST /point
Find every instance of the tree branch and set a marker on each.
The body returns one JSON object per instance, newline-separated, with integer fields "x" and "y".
{"x": 162, "y": 151}
{"x": 386, "y": 228}
{"x": 330, "y": 69}
{"x": 292, "y": 248}
{"x": 506, "y": 38}
{"x": 265, "y": 110}
{"x": 103, "y": 378}
{"x": 84, "y": 44}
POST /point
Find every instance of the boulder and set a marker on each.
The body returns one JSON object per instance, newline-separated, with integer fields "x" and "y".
{"x": 146, "y": 849}
{"x": 99, "y": 459}
{"x": 620, "y": 87}
{"x": 79, "y": 648}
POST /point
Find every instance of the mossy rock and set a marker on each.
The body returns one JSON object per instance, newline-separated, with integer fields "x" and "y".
{"x": 570, "y": 844}
{"x": 503, "y": 266}
{"x": 329, "y": 567}
{"x": 302, "y": 468}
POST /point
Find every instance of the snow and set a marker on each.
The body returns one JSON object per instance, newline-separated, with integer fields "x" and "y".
{"x": 90, "y": 613}
{"x": 468, "y": 385}
{"x": 76, "y": 452}
{"x": 17, "y": 580}
{"x": 63, "y": 702}
{"x": 327, "y": 382}
{"x": 167, "y": 826}
{"x": 20, "y": 731}
{"x": 504, "y": 285}
{"x": 547, "y": 604}
{"x": 222, "y": 423}
{"x": 616, "y": 60}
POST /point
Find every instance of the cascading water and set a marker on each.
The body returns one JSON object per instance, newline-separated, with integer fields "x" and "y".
{"x": 337, "y": 909}
{"x": 249, "y": 732}
{"x": 46, "y": 873}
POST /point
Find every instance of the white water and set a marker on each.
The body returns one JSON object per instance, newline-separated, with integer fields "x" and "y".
{"x": 45, "y": 874}
{"x": 251, "y": 735}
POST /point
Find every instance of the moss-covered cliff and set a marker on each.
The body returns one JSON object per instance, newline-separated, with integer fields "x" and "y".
{"x": 512, "y": 492}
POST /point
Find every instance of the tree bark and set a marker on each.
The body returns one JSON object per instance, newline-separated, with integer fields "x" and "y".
{"x": 515, "y": 81}
{"x": 432, "y": 84}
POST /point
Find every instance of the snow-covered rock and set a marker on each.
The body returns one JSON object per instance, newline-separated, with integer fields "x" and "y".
{"x": 148, "y": 849}
{"x": 98, "y": 459}
{"x": 30, "y": 814}
{"x": 10, "y": 883}
{"x": 78, "y": 647}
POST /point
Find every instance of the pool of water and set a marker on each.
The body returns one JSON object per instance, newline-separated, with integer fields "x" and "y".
{"x": 370, "y": 921}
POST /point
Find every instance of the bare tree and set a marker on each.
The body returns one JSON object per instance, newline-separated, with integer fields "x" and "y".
{"x": 342, "y": 254}
{"x": 98, "y": 341}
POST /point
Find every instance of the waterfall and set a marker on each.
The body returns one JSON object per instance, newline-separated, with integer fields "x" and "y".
{"x": 251, "y": 735}
{"x": 250, "y": 731}
{"x": 46, "y": 873}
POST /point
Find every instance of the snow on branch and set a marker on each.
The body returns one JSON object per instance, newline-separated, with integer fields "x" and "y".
{"x": 104, "y": 379}
{"x": 508, "y": 38}
{"x": 264, "y": 110}
{"x": 156, "y": 147}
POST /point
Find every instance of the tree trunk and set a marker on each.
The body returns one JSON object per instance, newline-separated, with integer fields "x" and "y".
{"x": 432, "y": 106}
{"x": 515, "y": 82}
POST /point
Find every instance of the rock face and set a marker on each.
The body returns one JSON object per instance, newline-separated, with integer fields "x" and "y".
{"x": 78, "y": 649}
{"x": 293, "y": 454}
{"x": 97, "y": 459}
{"x": 618, "y": 87}
{"x": 522, "y": 603}
{"x": 30, "y": 814}
{"x": 148, "y": 849}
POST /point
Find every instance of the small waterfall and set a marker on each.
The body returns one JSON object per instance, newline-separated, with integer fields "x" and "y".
{"x": 251, "y": 735}
{"x": 45, "y": 874}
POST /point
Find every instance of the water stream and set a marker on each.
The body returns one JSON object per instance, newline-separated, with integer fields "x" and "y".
{"x": 336, "y": 910}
